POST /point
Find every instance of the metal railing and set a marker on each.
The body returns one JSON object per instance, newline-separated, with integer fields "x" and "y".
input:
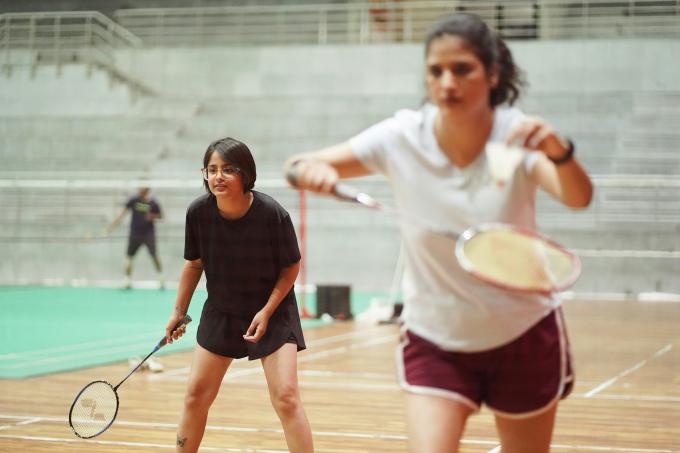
{"x": 62, "y": 37}
{"x": 58, "y": 38}
{"x": 626, "y": 201}
{"x": 398, "y": 21}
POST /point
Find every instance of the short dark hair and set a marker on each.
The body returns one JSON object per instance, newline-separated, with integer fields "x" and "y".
{"x": 488, "y": 46}
{"x": 237, "y": 154}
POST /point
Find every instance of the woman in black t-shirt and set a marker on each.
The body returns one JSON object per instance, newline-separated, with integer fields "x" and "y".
{"x": 246, "y": 244}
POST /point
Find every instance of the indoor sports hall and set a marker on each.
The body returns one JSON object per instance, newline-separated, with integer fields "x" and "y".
{"x": 101, "y": 98}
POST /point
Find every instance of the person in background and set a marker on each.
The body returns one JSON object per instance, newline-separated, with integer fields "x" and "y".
{"x": 145, "y": 212}
{"x": 245, "y": 243}
{"x": 464, "y": 343}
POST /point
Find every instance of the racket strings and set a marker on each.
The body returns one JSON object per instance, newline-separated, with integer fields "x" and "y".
{"x": 516, "y": 260}
{"x": 94, "y": 409}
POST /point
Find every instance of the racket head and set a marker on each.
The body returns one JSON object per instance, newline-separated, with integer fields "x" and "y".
{"x": 516, "y": 259}
{"x": 93, "y": 410}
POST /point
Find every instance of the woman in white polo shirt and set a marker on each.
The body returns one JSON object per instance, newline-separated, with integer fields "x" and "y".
{"x": 465, "y": 343}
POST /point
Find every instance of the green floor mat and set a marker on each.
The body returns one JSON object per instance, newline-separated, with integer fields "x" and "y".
{"x": 53, "y": 329}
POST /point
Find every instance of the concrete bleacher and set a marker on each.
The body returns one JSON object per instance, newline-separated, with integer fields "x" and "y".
{"x": 79, "y": 125}
{"x": 74, "y": 119}
{"x": 274, "y": 127}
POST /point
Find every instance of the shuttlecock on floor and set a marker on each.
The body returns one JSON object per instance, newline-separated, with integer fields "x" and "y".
{"x": 134, "y": 361}
{"x": 155, "y": 366}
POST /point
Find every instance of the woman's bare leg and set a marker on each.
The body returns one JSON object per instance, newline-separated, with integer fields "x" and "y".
{"x": 435, "y": 423}
{"x": 280, "y": 369}
{"x": 207, "y": 372}
{"x": 527, "y": 435}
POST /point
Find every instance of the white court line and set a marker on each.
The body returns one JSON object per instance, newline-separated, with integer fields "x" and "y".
{"x": 29, "y": 421}
{"x": 377, "y": 436}
{"x": 658, "y": 398}
{"x": 336, "y": 338}
{"x": 132, "y": 444}
{"x": 613, "y": 449}
{"x": 234, "y": 375}
{"x": 496, "y": 449}
{"x": 173, "y": 426}
{"x": 73, "y": 347}
{"x": 345, "y": 374}
{"x": 65, "y": 358}
{"x": 334, "y": 385}
{"x": 389, "y": 386}
{"x": 626, "y": 372}
{"x": 230, "y": 376}
{"x": 179, "y": 374}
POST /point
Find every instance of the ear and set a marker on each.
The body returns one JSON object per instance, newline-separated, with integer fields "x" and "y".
{"x": 494, "y": 76}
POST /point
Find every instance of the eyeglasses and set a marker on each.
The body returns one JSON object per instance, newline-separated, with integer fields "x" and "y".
{"x": 213, "y": 171}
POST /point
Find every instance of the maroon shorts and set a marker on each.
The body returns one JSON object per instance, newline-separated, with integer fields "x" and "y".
{"x": 519, "y": 379}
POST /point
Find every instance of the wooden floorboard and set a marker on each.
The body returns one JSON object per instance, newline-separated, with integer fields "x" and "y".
{"x": 626, "y": 398}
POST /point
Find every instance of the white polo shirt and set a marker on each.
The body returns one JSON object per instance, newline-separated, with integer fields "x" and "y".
{"x": 442, "y": 303}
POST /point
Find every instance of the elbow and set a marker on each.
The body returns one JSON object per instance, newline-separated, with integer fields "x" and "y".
{"x": 291, "y": 272}
{"x": 582, "y": 201}
{"x": 295, "y": 269}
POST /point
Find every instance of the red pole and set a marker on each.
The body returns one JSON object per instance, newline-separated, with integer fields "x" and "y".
{"x": 304, "y": 313}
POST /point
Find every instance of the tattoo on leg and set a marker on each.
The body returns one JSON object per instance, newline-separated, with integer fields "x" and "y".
{"x": 181, "y": 441}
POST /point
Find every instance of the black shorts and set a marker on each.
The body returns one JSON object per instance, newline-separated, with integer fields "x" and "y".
{"x": 222, "y": 333}
{"x": 134, "y": 242}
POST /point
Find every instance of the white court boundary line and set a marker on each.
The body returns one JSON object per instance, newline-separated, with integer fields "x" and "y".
{"x": 628, "y": 371}
{"x": 70, "y": 357}
{"x": 74, "y": 347}
{"x": 322, "y": 354}
{"x": 497, "y": 449}
{"x": 122, "y": 344}
{"x": 131, "y": 444}
{"x": 354, "y": 435}
{"x": 180, "y": 373}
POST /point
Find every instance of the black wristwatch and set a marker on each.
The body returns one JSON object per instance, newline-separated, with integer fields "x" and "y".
{"x": 567, "y": 156}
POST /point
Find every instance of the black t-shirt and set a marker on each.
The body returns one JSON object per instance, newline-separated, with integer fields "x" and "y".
{"x": 140, "y": 225}
{"x": 242, "y": 258}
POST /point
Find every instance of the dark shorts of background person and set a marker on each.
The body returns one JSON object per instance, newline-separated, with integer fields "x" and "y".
{"x": 222, "y": 333}
{"x": 520, "y": 379}
{"x": 134, "y": 242}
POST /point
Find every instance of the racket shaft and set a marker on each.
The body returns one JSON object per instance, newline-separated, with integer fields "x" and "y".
{"x": 184, "y": 321}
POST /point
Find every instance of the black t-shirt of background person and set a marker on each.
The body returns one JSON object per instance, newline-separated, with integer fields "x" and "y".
{"x": 242, "y": 258}
{"x": 140, "y": 225}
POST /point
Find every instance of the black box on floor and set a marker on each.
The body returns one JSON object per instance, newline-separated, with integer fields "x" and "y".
{"x": 334, "y": 300}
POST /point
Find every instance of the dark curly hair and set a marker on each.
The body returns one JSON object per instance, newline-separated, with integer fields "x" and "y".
{"x": 488, "y": 46}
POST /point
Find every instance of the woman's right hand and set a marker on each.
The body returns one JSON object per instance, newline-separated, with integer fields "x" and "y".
{"x": 312, "y": 174}
{"x": 175, "y": 317}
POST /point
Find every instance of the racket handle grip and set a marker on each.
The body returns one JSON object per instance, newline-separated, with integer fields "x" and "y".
{"x": 340, "y": 190}
{"x": 182, "y": 322}
{"x": 292, "y": 174}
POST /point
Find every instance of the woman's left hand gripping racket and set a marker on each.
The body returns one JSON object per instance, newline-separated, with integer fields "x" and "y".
{"x": 96, "y": 405}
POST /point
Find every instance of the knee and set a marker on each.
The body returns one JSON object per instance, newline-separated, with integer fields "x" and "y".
{"x": 286, "y": 400}
{"x": 198, "y": 398}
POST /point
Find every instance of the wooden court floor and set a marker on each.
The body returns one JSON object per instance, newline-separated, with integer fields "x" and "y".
{"x": 626, "y": 399}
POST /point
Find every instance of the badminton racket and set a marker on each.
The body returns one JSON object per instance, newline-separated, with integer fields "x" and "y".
{"x": 501, "y": 255}
{"x": 95, "y": 407}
